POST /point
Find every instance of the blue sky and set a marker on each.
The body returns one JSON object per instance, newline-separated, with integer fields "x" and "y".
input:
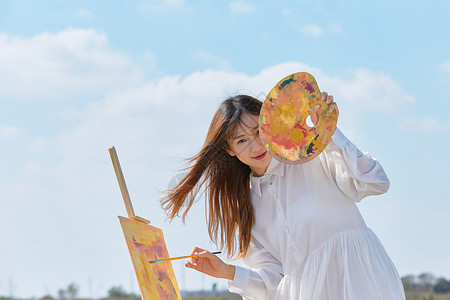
{"x": 147, "y": 76}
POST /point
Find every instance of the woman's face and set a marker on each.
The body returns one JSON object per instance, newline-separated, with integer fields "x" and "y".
{"x": 246, "y": 145}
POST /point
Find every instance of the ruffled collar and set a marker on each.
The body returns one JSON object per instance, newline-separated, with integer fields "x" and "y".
{"x": 275, "y": 168}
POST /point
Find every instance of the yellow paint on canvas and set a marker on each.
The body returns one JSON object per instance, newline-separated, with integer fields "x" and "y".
{"x": 145, "y": 242}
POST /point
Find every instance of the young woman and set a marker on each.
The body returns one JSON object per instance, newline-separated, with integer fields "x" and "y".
{"x": 296, "y": 227}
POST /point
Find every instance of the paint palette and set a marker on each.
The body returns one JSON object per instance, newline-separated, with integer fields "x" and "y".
{"x": 283, "y": 120}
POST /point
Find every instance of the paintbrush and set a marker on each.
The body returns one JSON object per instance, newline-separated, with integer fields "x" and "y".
{"x": 179, "y": 257}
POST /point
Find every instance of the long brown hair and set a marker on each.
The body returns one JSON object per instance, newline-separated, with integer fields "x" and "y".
{"x": 228, "y": 204}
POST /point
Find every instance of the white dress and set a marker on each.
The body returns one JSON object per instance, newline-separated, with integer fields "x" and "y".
{"x": 309, "y": 240}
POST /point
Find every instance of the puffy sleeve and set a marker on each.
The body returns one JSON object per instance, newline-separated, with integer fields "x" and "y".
{"x": 357, "y": 174}
{"x": 260, "y": 277}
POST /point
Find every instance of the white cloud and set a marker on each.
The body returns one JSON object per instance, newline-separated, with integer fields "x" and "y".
{"x": 445, "y": 66}
{"x": 149, "y": 60}
{"x": 335, "y": 29}
{"x": 38, "y": 144}
{"x": 317, "y": 31}
{"x": 286, "y": 12}
{"x": 32, "y": 169}
{"x": 61, "y": 64}
{"x": 170, "y": 116}
{"x": 83, "y": 13}
{"x": 368, "y": 91}
{"x": 8, "y": 131}
{"x": 312, "y": 29}
{"x": 160, "y": 110}
{"x": 267, "y": 38}
{"x": 219, "y": 63}
{"x": 239, "y": 7}
{"x": 21, "y": 191}
{"x": 174, "y": 2}
{"x": 428, "y": 125}
{"x": 161, "y": 5}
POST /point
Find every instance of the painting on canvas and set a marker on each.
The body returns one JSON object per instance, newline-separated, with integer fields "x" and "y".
{"x": 146, "y": 243}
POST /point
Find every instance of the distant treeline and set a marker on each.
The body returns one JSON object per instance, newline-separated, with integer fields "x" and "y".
{"x": 71, "y": 293}
{"x": 424, "y": 286}
{"x": 426, "y": 282}
{"x": 118, "y": 293}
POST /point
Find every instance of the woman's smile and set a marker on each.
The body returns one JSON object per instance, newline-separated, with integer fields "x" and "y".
{"x": 261, "y": 156}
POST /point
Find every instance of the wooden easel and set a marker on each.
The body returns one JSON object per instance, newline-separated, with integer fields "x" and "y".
{"x": 123, "y": 187}
{"x": 156, "y": 281}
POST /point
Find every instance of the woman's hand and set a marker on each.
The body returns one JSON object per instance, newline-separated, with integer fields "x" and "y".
{"x": 210, "y": 264}
{"x": 315, "y": 109}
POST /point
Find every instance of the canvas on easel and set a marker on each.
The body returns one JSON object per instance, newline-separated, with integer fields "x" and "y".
{"x": 146, "y": 243}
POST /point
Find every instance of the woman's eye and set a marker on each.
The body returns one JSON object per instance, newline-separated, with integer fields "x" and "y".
{"x": 241, "y": 141}
{"x": 257, "y": 132}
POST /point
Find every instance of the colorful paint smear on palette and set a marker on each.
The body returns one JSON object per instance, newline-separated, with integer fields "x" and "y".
{"x": 282, "y": 121}
{"x": 145, "y": 243}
